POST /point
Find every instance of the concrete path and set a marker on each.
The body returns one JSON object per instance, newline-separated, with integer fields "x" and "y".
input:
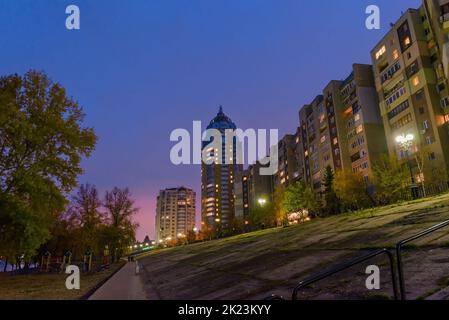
{"x": 124, "y": 285}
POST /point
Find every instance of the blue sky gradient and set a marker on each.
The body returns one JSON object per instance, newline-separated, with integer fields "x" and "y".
{"x": 142, "y": 68}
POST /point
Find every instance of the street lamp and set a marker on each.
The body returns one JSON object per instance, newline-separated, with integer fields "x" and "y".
{"x": 262, "y": 202}
{"x": 405, "y": 142}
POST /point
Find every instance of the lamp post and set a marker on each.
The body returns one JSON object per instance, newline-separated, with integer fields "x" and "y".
{"x": 405, "y": 142}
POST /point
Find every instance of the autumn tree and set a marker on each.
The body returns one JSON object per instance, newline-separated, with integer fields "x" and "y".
{"x": 299, "y": 197}
{"x": 391, "y": 179}
{"x": 85, "y": 212}
{"x": 278, "y": 205}
{"x": 331, "y": 201}
{"x": 42, "y": 143}
{"x": 352, "y": 190}
{"x": 121, "y": 230}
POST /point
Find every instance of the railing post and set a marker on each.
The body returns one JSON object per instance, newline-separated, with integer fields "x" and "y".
{"x": 400, "y": 271}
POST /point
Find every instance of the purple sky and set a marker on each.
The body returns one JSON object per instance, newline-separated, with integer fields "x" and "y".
{"x": 142, "y": 68}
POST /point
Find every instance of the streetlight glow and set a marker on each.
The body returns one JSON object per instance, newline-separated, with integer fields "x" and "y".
{"x": 262, "y": 201}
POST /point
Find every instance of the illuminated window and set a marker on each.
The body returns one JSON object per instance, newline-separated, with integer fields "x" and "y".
{"x": 380, "y": 52}
{"x": 357, "y": 117}
{"x": 306, "y": 153}
{"x": 415, "y": 81}
{"x": 395, "y": 54}
{"x": 335, "y": 141}
{"x": 323, "y": 139}
{"x": 359, "y": 129}
{"x": 407, "y": 41}
{"x": 446, "y": 118}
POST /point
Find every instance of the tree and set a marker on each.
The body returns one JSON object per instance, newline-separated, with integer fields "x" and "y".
{"x": 263, "y": 216}
{"x": 278, "y": 205}
{"x": 86, "y": 214}
{"x": 391, "y": 180}
{"x": 332, "y": 203}
{"x": 351, "y": 189}
{"x": 299, "y": 197}
{"x": 119, "y": 212}
{"x": 42, "y": 143}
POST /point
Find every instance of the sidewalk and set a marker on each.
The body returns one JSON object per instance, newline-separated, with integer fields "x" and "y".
{"x": 124, "y": 285}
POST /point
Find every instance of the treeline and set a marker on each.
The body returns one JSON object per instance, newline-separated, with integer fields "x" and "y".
{"x": 94, "y": 224}
{"x": 42, "y": 143}
{"x": 345, "y": 190}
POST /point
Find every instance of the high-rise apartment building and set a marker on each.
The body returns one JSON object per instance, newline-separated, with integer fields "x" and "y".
{"x": 217, "y": 178}
{"x": 251, "y": 190}
{"x": 175, "y": 213}
{"x": 363, "y": 128}
{"x": 340, "y": 129}
{"x": 411, "y": 88}
{"x": 288, "y": 170}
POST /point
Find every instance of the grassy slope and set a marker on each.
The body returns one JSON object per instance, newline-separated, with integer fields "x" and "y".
{"x": 255, "y": 265}
{"x": 49, "y": 286}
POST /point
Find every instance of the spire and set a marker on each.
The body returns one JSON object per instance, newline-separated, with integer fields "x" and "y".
{"x": 220, "y": 110}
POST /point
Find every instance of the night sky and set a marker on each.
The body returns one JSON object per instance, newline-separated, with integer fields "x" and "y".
{"x": 142, "y": 68}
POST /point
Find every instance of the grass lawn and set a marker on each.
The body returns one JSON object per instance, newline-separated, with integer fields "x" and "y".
{"x": 49, "y": 286}
{"x": 254, "y": 265}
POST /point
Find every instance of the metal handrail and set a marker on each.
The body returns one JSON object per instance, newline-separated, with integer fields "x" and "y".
{"x": 274, "y": 297}
{"x": 399, "y": 251}
{"x": 348, "y": 265}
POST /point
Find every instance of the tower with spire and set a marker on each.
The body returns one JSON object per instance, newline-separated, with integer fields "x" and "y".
{"x": 217, "y": 179}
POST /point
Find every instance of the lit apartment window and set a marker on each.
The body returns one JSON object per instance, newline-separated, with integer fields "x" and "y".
{"x": 323, "y": 139}
{"x": 357, "y": 117}
{"x": 407, "y": 41}
{"x": 415, "y": 81}
{"x": 359, "y": 129}
{"x": 306, "y": 153}
{"x": 322, "y": 117}
{"x": 381, "y": 52}
{"x": 335, "y": 141}
{"x": 446, "y": 118}
{"x": 395, "y": 54}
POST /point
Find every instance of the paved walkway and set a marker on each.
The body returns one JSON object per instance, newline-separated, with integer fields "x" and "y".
{"x": 124, "y": 285}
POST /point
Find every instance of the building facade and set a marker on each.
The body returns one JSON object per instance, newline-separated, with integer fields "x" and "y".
{"x": 288, "y": 169}
{"x": 411, "y": 87}
{"x": 175, "y": 213}
{"x": 251, "y": 190}
{"x": 363, "y": 127}
{"x": 217, "y": 177}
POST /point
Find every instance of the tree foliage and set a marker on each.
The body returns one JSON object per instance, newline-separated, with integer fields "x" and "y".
{"x": 351, "y": 189}
{"x": 391, "y": 180}
{"x": 331, "y": 201}
{"x": 298, "y": 197}
{"x": 42, "y": 143}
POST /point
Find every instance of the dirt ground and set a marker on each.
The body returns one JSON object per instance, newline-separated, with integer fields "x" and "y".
{"x": 256, "y": 265}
